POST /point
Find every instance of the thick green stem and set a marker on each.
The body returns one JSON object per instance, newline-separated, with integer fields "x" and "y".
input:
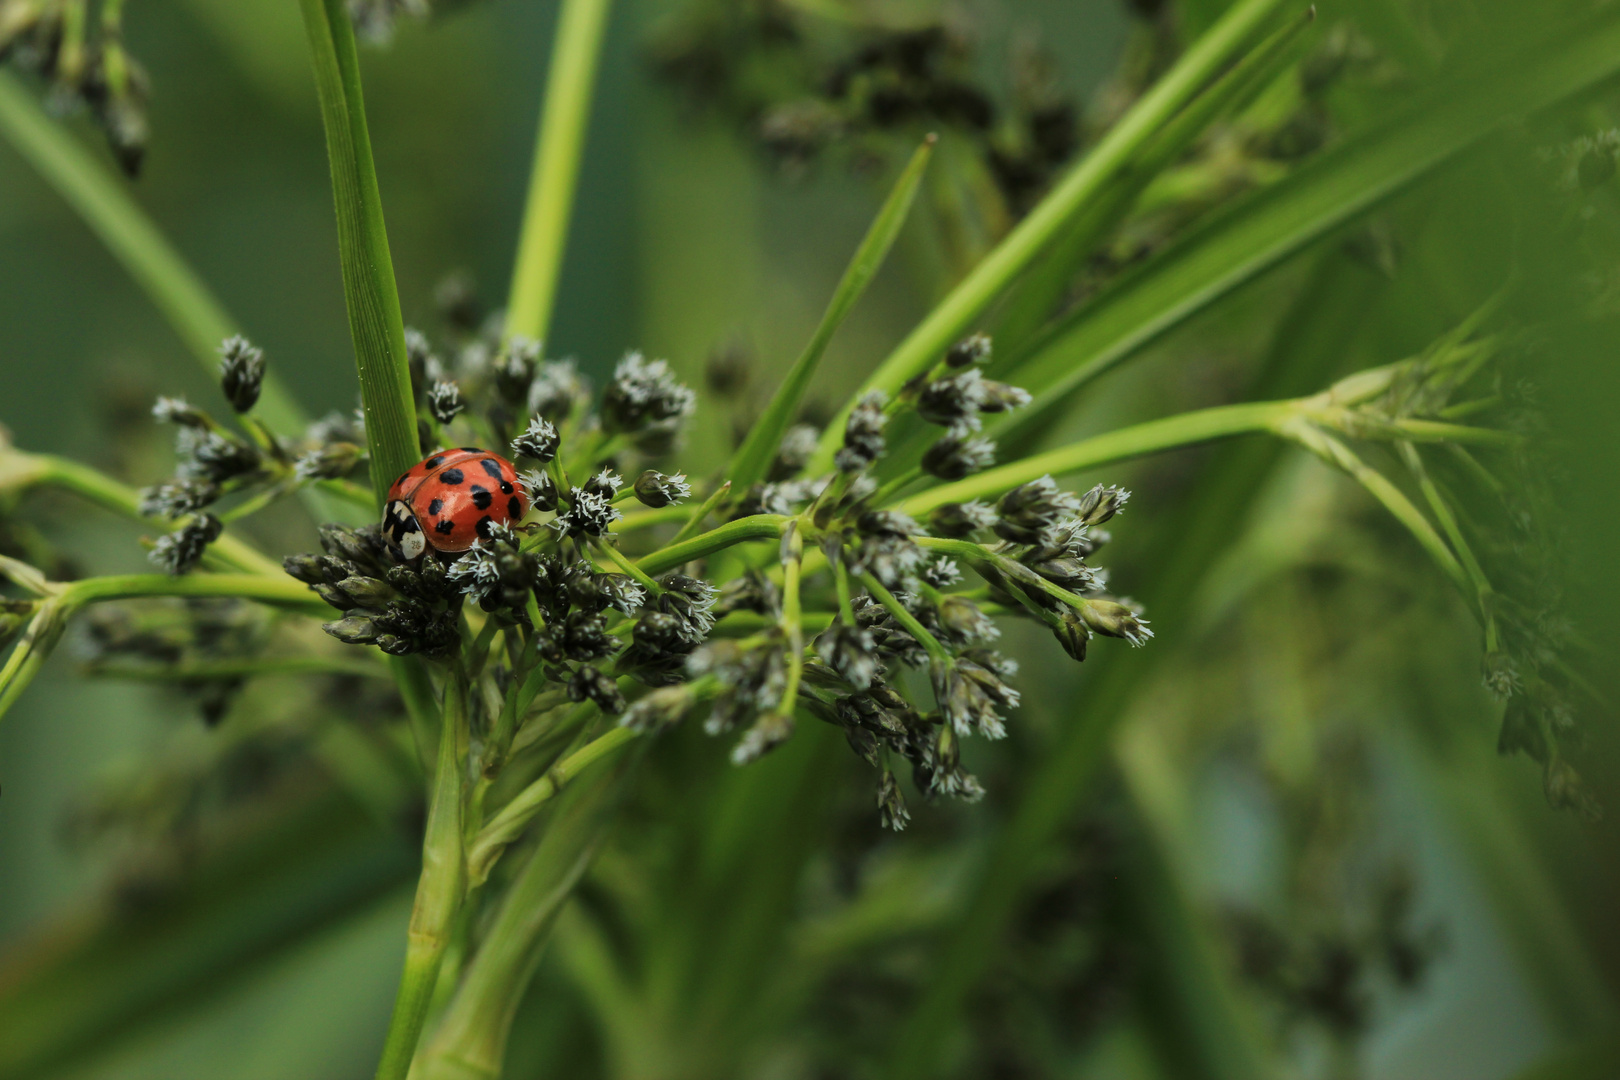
{"x": 439, "y": 890}
{"x": 516, "y": 815}
{"x": 557, "y": 153}
{"x": 368, "y": 270}
{"x": 470, "y": 1043}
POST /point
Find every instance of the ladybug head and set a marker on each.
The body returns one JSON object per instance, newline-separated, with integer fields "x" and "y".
{"x": 402, "y": 531}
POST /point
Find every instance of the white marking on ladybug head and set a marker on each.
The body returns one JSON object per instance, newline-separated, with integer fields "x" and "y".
{"x": 412, "y": 544}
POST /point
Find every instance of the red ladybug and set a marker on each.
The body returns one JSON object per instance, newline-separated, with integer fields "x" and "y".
{"x": 449, "y": 501}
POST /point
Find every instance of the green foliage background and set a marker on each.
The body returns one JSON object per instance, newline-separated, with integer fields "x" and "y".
{"x": 1317, "y": 630}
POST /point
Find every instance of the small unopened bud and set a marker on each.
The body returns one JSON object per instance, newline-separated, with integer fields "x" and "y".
{"x": 957, "y": 456}
{"x": 538, "y": 441}
{"x": 863, "y": 434}
{"x": 540, "y": 488}
{"x": 851, "y": 652}
{"x": 354, "y": 630}
{"x": 1072, "y": 634}
{"x": 590, "y": 684}
{"x": 330, "y": 462}
{"x": 891, "y": 803}
{"x": 241, "y": 372}
{"x": 771, "y": 730}
{"x": 444, "y": 400}
{"x": 961, "y": 520}
{"x": 177, "y": 497}
{"x": 366, "y": 592}
{"x": 1101, "y": 503}
{"x": 656, "y": 489}
{"x": 973, "y": 349}
{"x": 1116, "y": 620}
{"x": 181, "y": 550}
{"x": 306, "y": 568}
{"x": 663, "y": 708}
{"x": 169, "y": 410}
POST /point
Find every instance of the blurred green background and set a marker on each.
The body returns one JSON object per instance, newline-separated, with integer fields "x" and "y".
{"x": 1322, "y": 703}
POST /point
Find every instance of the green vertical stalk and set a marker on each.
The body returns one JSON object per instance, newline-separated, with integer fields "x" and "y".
{"x": 557, "y": 153}
{"x": 438, "y": 891}
{"x": 368, "y": 271}
{"x": 470, "y": 1043}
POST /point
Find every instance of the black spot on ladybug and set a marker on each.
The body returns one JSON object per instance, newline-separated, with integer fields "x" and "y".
{"x": 472, "y": 449}
{"x": 433, "y": 462}
{"x": 506, "y": 489}
{"x": 435, "y": 506}
{"x": 482, "y": 528}
{"x": 481, "y": 496}
{"x": 490, "y": 466}
{"x": 446, "y": 527}
{"x": 451, "y": 477}
{"x": 514, "y": 508}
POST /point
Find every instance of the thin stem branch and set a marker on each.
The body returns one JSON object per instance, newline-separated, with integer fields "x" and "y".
{"x": 757, "y": 527}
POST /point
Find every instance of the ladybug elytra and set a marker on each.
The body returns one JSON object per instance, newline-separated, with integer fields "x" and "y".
{"x": 449, "y": 501}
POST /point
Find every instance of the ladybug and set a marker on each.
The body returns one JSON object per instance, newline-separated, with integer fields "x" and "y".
{"x": 448, "y": 502}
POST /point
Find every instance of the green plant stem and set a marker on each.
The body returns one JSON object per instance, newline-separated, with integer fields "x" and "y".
{"x": 694, "y": 522}
{"x": 1186, "y": 429}
{"x": 279, "y": 591}
{"x": 753, "y": 458}
{"x": 470, "y": 1043}
{"x": 1483, "y": 592}
{"x": 618, "y": 559}
{"x": 559, "y": 147}
{"x": 756, "y": 527}
{"x": 368, "y": 270}
{"x": 936, "y": 651}
{"x": 955, "y": 315}
{"x": 20, "y": 471}
{"x": 439, "y": 890}
{"x": 104, "y": 204}
{"x": 515, "y": 816}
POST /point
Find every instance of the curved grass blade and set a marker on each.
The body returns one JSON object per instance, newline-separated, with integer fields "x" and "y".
{"x": 1323, "y": 195}
{"x": 104, "y": 204}
{"x": 753, "y": 458}
{"x": 954, "y": 316}
{"x": 368, "y": 271}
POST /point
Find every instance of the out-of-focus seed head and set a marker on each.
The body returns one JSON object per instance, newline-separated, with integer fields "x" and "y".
{"x": 181, "y": 550}
{"x": 942, "y": 573}
{"x": 241, "y": 372}
{"x": 798, "y": 446}
{"x": 771, "y": 730}
{"x": 174, "y": 498}
{"x": 959, "y": 521}
{"x": 444, "y": 401}
{"x": 538, "y": 441}
{"x": 332, "y": 461}
{"x": 173, "y": 410}
{"x": 863, "y": 434}
{"x": 515, "y": 370}
{"x": 557, "y": 389}
{"x": 658, "y": 489}
{"x": 973, "y": 349}
{"x": 662, "y": 708}
{"x": 958, "y": 455}
{"x": 851, "y": 652}
{"x": 644, "y": 393}
{"x": 892, "y": 812}
{"x": 961, "y": 621}
{"x": 1028, "y": 512}
{"x": 590, "y": 684}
